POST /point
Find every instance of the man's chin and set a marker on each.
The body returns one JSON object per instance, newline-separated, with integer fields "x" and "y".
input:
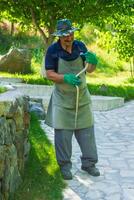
{"x": 69, "y": 43}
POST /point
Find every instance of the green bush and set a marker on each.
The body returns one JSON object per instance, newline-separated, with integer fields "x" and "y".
{"x": 21, "y": 40}
{"x": 130, "y": 80}
{"x": 2, "y": 89}
{"x": 125, "y": 91}
{"x": 36, "y": 80}
{"x": 5, "y": 42}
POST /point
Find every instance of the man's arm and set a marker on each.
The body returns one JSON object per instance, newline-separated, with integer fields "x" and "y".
{"x": 53, "y": 76}
{"x": 91, "y": 60}
{"x": 70, "y": 79}
{"x": 91, "y": 68}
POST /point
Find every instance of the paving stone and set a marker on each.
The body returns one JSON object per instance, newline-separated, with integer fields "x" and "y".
{"x": 116, "y": 196}
{"x": 103, "y": 162}
{"x": 108, "y": 151}
{"x": 93, "y": 195}
{"x": 107, "y": 187}
{"x": 69, "y": 194}
{"x": 118, "y": 164}
{"x": 127, "y": 173}
{"x": 115, "y": 142}
{"x": 128, "y": 194}
{"x": 130, "y": 163}
{"x": 113, "y": 175}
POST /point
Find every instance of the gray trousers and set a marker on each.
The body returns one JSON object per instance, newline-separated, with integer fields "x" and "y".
{"x": 63, "y": 147}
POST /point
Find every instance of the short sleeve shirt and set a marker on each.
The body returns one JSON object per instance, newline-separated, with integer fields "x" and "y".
{"x": 55, "y": 51}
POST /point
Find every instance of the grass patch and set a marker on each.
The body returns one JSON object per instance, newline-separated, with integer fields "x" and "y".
{"x": 36, "y": 79}
{"x": 28, "y": 78}
{"x": 111, "y": 71}
{"x": 121, "y": 78}
{"x": 130, "y": 80}
{"x": 99, "y": 84}
{"x": 127, "y": 92}
{"x": 42, "y": 179}
{"x": 2, "y": 90}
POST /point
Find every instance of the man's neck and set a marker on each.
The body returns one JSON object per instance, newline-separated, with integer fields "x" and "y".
{"x": 67, "y": 48}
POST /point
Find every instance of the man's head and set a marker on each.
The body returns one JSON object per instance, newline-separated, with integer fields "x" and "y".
{"x": 67, "y": 40}
{"x": 64, "y": 28}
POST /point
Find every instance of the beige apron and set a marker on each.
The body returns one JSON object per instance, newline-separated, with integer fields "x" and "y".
{"x": 62, "y": 106}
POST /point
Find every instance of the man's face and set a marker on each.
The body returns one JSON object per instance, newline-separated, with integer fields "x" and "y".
{"x": 67, "y": 40}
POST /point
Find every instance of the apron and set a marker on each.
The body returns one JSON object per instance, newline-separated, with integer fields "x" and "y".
{"x": 61, "y": 111}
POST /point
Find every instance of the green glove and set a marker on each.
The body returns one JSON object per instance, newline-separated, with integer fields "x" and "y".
{"x": 91, "y": 58}
{"x": 71, "y": 79}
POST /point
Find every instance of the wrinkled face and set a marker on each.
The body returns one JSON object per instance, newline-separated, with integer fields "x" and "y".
{"x": 67, "y": 40}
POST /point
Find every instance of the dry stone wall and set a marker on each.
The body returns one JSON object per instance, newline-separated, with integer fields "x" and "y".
{"x": 14, "y": 144}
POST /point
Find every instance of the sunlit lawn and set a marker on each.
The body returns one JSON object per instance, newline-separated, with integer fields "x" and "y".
{"x": 42, "y": 179}
{"x": 121, "y": 78}
{"x": 110, "y": 70}
{"x": 95, "y": 77}
{"x": 2, "y": 89}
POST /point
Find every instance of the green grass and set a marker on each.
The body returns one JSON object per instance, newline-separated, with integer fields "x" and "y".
{"x": 121, "y": 78}
{"x": 120, "y": 85}
{"x": 127, "y": 92}
{"x": 28, "y": 78}
{"x": 110, "y": 71}
{"x": 21, "y": 40}
{"x": 42, "y": 179}
{"x": 109, "y": 63}
{"x": 2, "y": 90}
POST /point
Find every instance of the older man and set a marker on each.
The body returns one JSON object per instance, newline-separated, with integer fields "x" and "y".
{"x": 69, "y": 110}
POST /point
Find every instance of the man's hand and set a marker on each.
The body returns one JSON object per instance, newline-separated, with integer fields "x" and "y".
{"x": 91, "y": 58}
{"x": 71, "y": 79}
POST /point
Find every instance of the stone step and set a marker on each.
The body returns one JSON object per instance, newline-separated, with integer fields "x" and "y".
{"x": 8, "y": 80}
{"x": 99, "y": 103}
{"x": 104, "y": 103}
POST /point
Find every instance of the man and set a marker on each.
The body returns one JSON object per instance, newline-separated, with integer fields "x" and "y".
{"x": 69, "y": 111}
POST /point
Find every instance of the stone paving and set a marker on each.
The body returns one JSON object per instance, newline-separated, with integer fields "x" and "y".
{"x": 114, "y": 132}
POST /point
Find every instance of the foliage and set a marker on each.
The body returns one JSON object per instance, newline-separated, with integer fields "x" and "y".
{"x": 130, "y": 80}
{"x": 119, "y": 35}
{"x": 42, "y": 179}
{"x": 36, "y": 80}
{"x": 5, "y": 42}
{"x": 109, "y": 63}
{"x": 22, "y": 40}
{"x": 87, "y": 34}
{"x": 125, "y": 91}
{"x": 37, "y": 12}
{"x": 2, "y": 89}
{"x": 122, "y": 88}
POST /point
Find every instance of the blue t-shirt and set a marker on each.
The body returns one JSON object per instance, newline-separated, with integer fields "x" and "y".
{"x": 55, "y": 51}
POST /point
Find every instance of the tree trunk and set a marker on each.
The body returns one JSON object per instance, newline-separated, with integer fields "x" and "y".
{"x": 12, "y": 28}
{"x": 132, "y": 67}
{"x": 47, "y": 40}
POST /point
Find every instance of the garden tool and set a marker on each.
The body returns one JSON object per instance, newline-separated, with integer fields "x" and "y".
{"x": 77, "y": 94}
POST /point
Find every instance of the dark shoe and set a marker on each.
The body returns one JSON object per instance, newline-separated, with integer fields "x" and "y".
{"x": 66, "y": 175}
{"x": 93, "y": 171}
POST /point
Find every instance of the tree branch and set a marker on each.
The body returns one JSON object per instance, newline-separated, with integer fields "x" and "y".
{"x": 37, "y": 26}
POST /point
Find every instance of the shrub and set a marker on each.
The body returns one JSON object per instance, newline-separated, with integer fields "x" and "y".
{"x": 2, "y": 89}
{"x": 5, "y": 42}
{"x": 125, "y": 91}
{"x": 130, "y": 80}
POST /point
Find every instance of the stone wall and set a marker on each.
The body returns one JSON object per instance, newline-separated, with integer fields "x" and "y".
{"x": 14, "y": 144}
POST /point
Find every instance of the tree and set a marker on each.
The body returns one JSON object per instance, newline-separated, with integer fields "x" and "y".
{"x": 118, "y": 34}
{"x": 43, "y": 14}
